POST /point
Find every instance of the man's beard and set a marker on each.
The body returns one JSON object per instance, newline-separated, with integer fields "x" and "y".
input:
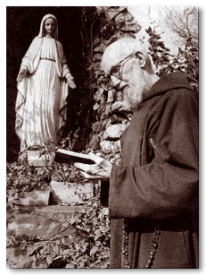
{"x": 134, "y": 95}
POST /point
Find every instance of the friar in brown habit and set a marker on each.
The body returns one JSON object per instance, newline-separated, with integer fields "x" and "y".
{"x": 153, "y": 194}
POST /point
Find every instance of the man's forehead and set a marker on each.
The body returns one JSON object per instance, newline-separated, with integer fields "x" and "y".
{"x": 117, "y": 52}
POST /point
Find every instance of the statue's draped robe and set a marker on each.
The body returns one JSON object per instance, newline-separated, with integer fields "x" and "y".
{"x": 41, "y": 100}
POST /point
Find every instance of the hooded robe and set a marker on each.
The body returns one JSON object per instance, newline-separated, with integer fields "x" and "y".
{"x": 153, "y": 194}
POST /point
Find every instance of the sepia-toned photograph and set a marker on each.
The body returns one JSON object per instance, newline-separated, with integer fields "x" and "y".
{"x": 102, "y": 137}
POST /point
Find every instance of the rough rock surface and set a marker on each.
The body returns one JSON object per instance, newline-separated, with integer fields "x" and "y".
{"x": 70, "y": 192}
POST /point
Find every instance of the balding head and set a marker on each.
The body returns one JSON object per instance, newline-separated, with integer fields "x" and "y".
{"x": 119, "y": 50}
{"x": 128, "y": 61}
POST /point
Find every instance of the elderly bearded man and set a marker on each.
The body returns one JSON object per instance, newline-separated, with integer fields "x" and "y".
{"x": 153, "y": 196}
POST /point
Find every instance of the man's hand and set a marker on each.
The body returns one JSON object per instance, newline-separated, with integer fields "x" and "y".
{"x": 101, "y": 170}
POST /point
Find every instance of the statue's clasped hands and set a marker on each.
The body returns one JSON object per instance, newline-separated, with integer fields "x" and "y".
{"x": 101, "y": 170}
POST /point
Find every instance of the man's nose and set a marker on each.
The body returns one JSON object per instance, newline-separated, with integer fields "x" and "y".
{"x": 115, "y": 80}
{"x": 118, "y": 82}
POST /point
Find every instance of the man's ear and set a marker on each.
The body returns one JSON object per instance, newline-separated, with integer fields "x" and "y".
{"x": 141, "y": 59}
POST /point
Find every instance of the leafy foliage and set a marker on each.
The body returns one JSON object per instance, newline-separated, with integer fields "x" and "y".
{"x": 186, "y": 60}
{"x": 27, "y": 178}
{"x": 93, "y": 251}
{"x": 158, "y": 51}
{"x": 81, "y": 242}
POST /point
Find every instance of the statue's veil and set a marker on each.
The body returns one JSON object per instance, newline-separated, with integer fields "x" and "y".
{"x": 41, "y": 31}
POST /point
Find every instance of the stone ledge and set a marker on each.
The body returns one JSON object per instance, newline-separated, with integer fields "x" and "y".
{"x": 43, "y": 222}
{"x": 70, "y": 192}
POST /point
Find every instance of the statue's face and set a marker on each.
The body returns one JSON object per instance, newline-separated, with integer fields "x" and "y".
{"x": 50, "y": 26}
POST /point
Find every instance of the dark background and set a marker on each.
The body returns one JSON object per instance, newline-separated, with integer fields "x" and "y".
{"x": 23, "y": 24}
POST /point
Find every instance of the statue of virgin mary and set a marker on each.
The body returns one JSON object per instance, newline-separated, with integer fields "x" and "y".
{"x": 42, "y": 84}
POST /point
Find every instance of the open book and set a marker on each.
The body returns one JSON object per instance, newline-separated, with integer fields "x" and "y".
{"x": 66, "y": 156}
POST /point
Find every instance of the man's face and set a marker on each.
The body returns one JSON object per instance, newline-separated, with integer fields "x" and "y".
{"x": 129, "y": 73}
